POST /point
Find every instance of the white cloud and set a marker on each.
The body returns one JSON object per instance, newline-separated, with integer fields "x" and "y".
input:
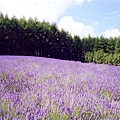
{"x": 111, "y": 33}
{"x": 75, "y": 28}
{"x": 48, "y": 10}
{"x": 79, "y": 1}
{"x": 82, "y": 1}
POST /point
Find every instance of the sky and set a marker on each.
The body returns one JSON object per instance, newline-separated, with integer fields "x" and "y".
{"x": 78, "y": 17}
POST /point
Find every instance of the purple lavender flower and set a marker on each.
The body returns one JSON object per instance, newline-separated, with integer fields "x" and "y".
{"x": 32, "y": 88}
{"x": 69, "y": 111}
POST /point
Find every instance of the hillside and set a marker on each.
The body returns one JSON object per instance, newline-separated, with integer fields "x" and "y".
{"x": 38, "y": 88}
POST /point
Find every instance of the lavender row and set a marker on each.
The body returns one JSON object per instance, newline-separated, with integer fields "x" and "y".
{"x": 33, "y": 88}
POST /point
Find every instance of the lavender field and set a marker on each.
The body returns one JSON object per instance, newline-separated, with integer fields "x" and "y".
{"x": 33, "y": 88}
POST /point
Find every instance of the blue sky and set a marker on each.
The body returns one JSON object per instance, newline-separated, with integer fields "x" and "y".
{"x": 81, "y": 17}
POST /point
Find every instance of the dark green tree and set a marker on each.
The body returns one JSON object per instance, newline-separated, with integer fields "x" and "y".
{"x": 117, "y": 45}
{"x": 77, "y": 48}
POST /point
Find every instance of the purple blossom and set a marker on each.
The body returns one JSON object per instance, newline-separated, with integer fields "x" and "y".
{"x": 32, "y": 88}
{"x": 69, "y": 111}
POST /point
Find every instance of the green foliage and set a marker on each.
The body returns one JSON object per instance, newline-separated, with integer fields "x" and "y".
{"x": 56, "y": 116}
{"x": 103, "y": 58}
{"x": 77, "y": 48}
{"x": 6, "y": 108}
{"x": 117, "y": 46}
{"x": 34, "y": 38}
{"x": 89, "y": 57}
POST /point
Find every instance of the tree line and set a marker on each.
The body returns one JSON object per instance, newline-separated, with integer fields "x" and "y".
{"x": 34, "y": 38}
